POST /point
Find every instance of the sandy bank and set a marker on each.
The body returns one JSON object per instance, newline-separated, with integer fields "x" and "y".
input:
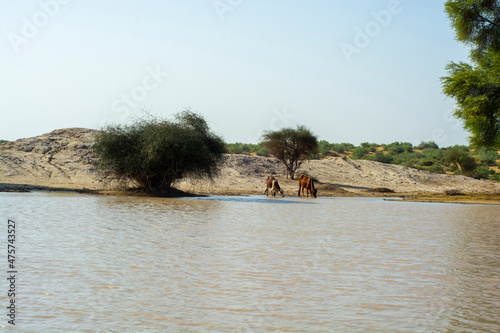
{"x": 62, "y": 159}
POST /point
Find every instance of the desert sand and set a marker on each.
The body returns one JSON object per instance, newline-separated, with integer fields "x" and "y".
{"x": 63, "y": 159}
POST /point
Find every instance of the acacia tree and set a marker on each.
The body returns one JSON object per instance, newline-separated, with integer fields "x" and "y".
{"x": 291, "y": 146}
{"x": 156, "y": 153}
{"x": 476, "y": 87}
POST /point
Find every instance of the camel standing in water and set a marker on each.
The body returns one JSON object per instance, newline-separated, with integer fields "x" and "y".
{"x": 307, "y": 183}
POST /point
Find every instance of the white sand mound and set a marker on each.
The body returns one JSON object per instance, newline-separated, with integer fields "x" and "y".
{"x": 63, "y": 158}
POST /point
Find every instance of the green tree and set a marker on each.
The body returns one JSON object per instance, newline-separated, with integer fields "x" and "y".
{"x": 476, "y": 23}
{"x": 476, "y": 90}
{"x": 476, "y": 87}
{"x": 156, "y": 153}
{"x": 465, "y": 163}
{"x": 291, "y": 146}
{"x": 324, "y": 147}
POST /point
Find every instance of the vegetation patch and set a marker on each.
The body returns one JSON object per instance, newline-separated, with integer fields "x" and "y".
{"x": 156, "y": 153}
{"x": 479, "y": 163}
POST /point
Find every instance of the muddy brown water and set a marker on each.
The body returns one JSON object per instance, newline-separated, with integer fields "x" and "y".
{"x": 225, "y": 264}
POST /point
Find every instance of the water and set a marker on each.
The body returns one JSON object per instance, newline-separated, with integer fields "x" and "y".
{"x": 225, "y": 264}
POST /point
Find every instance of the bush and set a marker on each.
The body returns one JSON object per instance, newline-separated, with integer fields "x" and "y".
{"x": 408, "y": 159}
{"x": 495, "y": 176}
{"x": 436, "y": 168}
{"x": 359, "y": 152}
{"x": 247, "y": 149}
{"x": 466, "y": 164}
{"x": 398, "y": 147}
{"x": 342, "y": 147}
{"x": 260, "y": 150}
{"x": 325, "y": 148}
{"x": 460, "y": 148}
{"x": 371, "y": 147}
{"x": 487, "y": 156}
{"x": 482, "y": 172}
{"x": 383, "y": 158}
{"x": 434, "y": 154}
{"x": 427, "y": 144}
{"x": 156, "y": 153}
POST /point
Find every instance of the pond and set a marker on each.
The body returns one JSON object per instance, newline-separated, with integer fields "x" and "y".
{"x": 223, "y": 264}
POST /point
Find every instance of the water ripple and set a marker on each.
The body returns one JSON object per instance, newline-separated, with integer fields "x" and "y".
{"x": 225, "y": 264}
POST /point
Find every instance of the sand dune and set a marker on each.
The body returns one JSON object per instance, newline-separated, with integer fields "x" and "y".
{"x": 63, "y": 159}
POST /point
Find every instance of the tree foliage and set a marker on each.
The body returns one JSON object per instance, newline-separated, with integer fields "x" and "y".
{"x": 465, "y": 163}
{"x": 291, "y": 146}
{"x": 426, "y": 156}
{"x": 476, "y": 90}
{"x": 476, "y": 23}
{"x": 247, "y": 149}
{"x": 487, "y": 156}
{"x": 476, "y": 87}
{"x": 155, "y": 153}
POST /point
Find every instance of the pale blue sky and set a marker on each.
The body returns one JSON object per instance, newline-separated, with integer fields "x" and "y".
{"x": 351, "y": 71}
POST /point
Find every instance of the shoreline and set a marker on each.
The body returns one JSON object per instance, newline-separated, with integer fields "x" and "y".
{"x": 430, "y": 197}
{"x": 63, "y": 160}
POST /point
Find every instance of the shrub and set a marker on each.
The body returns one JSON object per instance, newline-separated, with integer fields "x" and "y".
{"x": 384, "y": 158}
{"x": 465, "y": 163}
{"x": 359, "y": 152}
{"x": 246, "y": 148}
{"x": 156, "y": 153}
{"x": 260, "y": 150}
{"x": 325, "y": 148}
{"x": 436, "y": 168}
{"x": 427, "y": 144}
{"x": 398, "y": 147}
{"x": 434, "y": 154}
{"x": 342, "y": 147}
{"x": 460, "y": 148}
{"x": 371, "y": 147}
{"x": 487, "y": 156}
{"x": 495, "y": 176}
{"x": 482, "y": 172}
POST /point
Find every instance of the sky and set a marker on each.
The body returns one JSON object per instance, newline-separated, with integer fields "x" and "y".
{"x": 350, "y": 71}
